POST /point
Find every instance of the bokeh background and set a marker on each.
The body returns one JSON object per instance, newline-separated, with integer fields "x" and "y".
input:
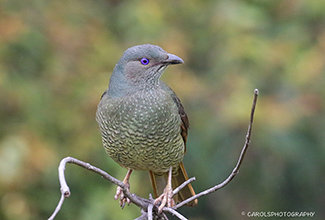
{"x": 56, "y": 58}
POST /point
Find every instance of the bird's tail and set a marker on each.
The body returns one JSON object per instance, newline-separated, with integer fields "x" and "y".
{"x": 159, "y": 183}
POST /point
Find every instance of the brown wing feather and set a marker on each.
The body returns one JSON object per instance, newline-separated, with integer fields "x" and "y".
{"x": 160, "y": 181}
{"x": 185, "y": 123}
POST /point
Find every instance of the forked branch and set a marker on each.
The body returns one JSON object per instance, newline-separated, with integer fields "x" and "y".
{"x": 149, "y": 210}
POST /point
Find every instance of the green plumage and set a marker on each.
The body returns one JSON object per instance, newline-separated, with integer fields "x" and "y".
{"x": 142, "y": 130}
{"x": 143, "y": 123}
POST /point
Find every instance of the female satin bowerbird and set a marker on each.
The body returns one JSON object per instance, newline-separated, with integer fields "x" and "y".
{"x": 144, "y": 125}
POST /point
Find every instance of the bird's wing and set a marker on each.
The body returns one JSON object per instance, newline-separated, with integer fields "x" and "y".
{"x": 105, "y": 93}
{"x": 185, "y": 123}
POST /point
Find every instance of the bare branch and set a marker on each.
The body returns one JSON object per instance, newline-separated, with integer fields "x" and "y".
{"x": 58, "y": 207}
{"x": 65, "y": 191}
{"x": 174, "y": 212}
{"x": 144, "y": 216}
{"x": 148, "y": 209}
{"x": 176, "y": 190}
{"x": 147, "y": 216}
{"x": 239, "y": 162}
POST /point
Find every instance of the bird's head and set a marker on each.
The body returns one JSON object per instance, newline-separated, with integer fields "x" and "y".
{"x": 140, "y": 67}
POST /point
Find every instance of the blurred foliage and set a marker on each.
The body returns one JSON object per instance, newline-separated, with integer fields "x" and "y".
{"x": 55, "y": 61}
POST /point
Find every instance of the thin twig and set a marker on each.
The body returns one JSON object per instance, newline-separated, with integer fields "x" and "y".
{"x": 145, "y": 204}
{"x": 164, "y": 216}
{"x": 150, "y": 207}
{"x": 58, "y": 207}
{"x": 65, "y": 191}
{"x": 176, "y": 190}
{"x": 144, "y": 216}
{"x": 239, "y": 162}
{"x": 174, "y": 212}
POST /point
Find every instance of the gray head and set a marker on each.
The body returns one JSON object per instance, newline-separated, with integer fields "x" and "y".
{"x": 140, "y": 67}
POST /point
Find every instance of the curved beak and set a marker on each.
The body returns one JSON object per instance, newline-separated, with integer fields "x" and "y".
{"x": 173, "y": 59}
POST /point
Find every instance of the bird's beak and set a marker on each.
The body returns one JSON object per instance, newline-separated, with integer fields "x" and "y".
{"x": 173, "y": 59}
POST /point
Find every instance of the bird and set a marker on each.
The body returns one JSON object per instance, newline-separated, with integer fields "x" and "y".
{"x": 143, "y": 123}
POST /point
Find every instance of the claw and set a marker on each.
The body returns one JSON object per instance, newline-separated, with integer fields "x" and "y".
{"x": 120, "y": 193}
{"x": 166, "y": 198}
{"x": 123, "y": 199}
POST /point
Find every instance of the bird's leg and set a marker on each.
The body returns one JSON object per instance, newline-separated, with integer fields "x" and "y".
{"x": 119, "y": 190}
{"x": 166, "y": 198}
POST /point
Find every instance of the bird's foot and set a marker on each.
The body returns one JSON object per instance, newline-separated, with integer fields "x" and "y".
{"x": 120, "y": 193}
{"x": 123, "y": 198}
{"x": 166, "y": 199}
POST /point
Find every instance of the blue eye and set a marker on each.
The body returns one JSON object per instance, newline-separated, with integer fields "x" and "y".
{"x": 144, "y": 61}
